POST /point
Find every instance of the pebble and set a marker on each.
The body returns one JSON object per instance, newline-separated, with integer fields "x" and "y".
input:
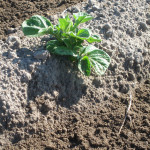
{"x": 12, "y": 55}
{"x": 131, "y": 76}
{"x": 148, "y": 15}
{"x": 137, "y": 67}
{"x": 98, "y": 14}
{"x": 14, "y": 42}
{"x": 131, "y": 32}
{"x": 74, "y": 10}
{"x": 106, "y": 27}
{"x": 109, "y": 34}
{"x": 124, "y": 88}
{"x": 116, "y": 12}
{"x": 95, "y": 8}
{"x": 142, "y": 26}
{"x": 31, "y": 67}
{"x": 148, "y": 21}
{"x": 25, "y": 76}
{"x": 11, "y": 30}
{"x": 138, "y": 33}
{"x": 91, "y": 2}
{"x": 138, "y": 58}
{"x": 43, "y": 54}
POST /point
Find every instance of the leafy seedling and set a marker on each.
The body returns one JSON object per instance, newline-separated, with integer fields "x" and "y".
{"x": 69, "y": 41}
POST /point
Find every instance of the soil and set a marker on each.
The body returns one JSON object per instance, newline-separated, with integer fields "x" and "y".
{"x": 14, "y": 12}
{"x": 46, "y": 104}
{"x": 93, "y": 128}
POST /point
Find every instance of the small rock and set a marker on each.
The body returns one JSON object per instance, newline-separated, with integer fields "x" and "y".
{"x": 95, "y": 7}
{"x": 75, "y": 118}
{"x": 55, "y": 93}
{"x": 14, "y": 42}
{"x": 148, "y": 22}
{"x": 11, "y": 55}
{"x": 11, "y": 30}
{"x": 122, "y": 9}
{"x": 146, "y": 122}
{"x": 116, "y": 12}
{"x": 138, "y": 58}
{"x": 115, "y": 85}
{"x": 109, "y": 34}
{"x": 142, "y": 26}
{"x": 131, "y": 77}
{"x": 137, "y": 67}
{"x": 106, "y": 97}
{"x": 116, "y": 4}
{"x": 131, "y": 32}
{"x": 100, "y": 15}
{"x": 43, "y": 54}
{"x": 138, "y": 33}
{"x": 148, "y": 1}
{"x": 91, "y": 2}
{"x": 124, "y": 88}
{"x": 74, "y": 10}
{"x": 148, "y": 15}
{"x": 31, "y": 67}
{"x": 26, "y": 77}
{"x": 1, "y": 129}
{"x": 106, "y": 27}
{"x": 109, "y": 3}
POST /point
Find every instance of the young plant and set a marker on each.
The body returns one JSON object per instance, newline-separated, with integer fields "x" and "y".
{"x": 69, "y": 39}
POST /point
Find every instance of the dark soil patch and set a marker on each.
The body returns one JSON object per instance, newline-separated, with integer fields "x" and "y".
{"x": 14, "y": 12}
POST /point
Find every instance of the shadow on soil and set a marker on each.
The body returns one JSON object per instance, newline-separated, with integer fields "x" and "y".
{"x": 55, "y": 79}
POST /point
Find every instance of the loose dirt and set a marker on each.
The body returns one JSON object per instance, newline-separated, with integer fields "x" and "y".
{"x": 13, "y": 12}
{"x": 46, "y": 104}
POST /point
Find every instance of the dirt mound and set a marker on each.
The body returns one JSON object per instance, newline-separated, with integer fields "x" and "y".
{"x": 45, "y": 103}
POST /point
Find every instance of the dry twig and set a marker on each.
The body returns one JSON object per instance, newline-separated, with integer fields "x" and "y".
{"x": 126, "y": 114}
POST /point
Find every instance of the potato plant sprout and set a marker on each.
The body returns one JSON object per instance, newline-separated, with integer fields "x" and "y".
{"x": 69, "y": 40}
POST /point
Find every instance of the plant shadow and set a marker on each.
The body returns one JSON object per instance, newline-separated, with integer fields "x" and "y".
{"x": 55, "y": 78}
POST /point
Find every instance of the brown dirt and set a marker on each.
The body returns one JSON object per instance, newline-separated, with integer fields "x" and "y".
{"x": 13, "y": 12}
{"x": 94, "y": 128}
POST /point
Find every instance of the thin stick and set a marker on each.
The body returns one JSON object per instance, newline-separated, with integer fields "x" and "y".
{"x": 129, "y": 106}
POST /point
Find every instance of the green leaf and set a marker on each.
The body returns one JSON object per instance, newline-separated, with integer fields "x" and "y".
{"x": 99, "y": 60}
{"x": 63, "y": 24}
{"x": 68, "y": 20}
{"x": 94, "y": 38}
{"x": 67, "y": 42}
{"x": 71, "y": 41}
{"x": 50, "y": 46}
{"x": 58, "y": 48}
{"x": 83, "y": 33}
{"x": 80, "y": 18}
{"x": 36, "y": 26}
{"x": 63, "y": 50}
{"x": 87, "y": 50}
{"x": 84, "y": 65}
